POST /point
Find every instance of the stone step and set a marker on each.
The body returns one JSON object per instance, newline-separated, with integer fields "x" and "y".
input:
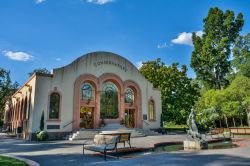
{"x": 90, "y": 133}
{"x": 148, "y": 132}
{"x": 113, "y": 126}
{"x": 83, "y": 134}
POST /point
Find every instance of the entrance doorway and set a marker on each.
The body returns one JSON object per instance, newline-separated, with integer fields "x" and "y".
{"x": 109, "y": 101}
{"x": 86, "y": 117}
{"x": 129, "y": 118}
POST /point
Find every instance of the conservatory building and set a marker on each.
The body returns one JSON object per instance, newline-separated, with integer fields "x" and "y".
{"x": 96, "y": 89}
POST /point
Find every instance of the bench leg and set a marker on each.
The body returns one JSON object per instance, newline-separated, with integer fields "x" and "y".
{"x": 124, "y": 144}
{"x": 83, "y": 149}
{"x": 129, "y": 144}
{"x": 105, "y": 157}
{"x": 117, "y": 153}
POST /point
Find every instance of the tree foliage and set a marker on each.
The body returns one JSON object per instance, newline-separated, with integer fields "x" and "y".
{"x": 230, "y": 104}
{"x": 241, "y": 55}
{"x": 7, "y": 88}
{"x": 178, "y": 91}
{"x": 210, "y": 58}
{"x": 39, "y": 70}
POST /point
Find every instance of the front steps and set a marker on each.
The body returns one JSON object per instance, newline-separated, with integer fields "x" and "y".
{"x": 90, "y": 133}
{"x": 83, "y": 134}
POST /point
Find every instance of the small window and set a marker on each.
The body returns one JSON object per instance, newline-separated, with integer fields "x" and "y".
{"x": 151, "y": 110}
{"x": 129, "y": 96}
{"x": 87, "y": 91}
{"x": 54, "y": 105}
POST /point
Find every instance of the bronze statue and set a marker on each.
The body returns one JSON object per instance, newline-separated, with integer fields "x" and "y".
{"x": 192, "y": 125}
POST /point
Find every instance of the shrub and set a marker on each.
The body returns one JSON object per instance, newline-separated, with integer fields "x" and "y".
{"x": 42, "y": 136}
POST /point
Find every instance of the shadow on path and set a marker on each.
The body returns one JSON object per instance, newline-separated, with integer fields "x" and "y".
{"x": 155, "y": 160}
{"x": 63, "y": 153}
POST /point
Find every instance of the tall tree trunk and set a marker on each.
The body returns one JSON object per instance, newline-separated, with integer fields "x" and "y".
{"x": 241, "y": 124}
{"x": 226, "y": 120}
{"x": 214, "y": 124}
{"x": 248, "y": 116}
{"x": 234, "y": 122}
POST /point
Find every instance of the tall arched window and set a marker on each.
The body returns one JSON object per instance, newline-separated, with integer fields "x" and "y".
{"x": 54, "y": 105}
{"x": 151, "y": 110}
{"x": 129, "y": 96}
{"x": 87, "y": 91}
{"x": 109, "y": 86}
{"x": 109, "y": 101}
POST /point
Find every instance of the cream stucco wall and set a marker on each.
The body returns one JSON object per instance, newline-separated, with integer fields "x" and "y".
{"x": 96, "y": 63}
{"x": 26, "y": 91}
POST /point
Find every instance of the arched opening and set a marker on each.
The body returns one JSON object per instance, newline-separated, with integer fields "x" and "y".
{"x": 130, "y": 110}
{"x": 151, "y": 110}
{"x": 54, "y": 106}
{"x": 87, "y": 91}
{"x": 129, "y": 96}
{"x": 109, "y": 101}
{"x": 85, "y": 96}
{"x": 86, "y": 111}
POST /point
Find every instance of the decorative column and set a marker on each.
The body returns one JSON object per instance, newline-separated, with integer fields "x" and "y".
{"x": 122, "y": 108}
{"x": 97, "y": 109}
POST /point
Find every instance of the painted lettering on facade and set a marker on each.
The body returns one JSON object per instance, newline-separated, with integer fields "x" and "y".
{"x": 108, "y": 62}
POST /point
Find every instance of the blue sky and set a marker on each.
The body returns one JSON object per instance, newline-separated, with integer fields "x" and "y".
{"x": 52, "y": 33}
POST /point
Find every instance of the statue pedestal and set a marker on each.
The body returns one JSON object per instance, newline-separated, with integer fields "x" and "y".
{"x": 195, "y": 144}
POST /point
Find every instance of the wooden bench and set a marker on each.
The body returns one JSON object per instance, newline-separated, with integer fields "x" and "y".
{"x": 124, "y": 136}
{"x": 103, "y": 144}
{"x": 239, "y": 131}
{"x": 216, "y": 131}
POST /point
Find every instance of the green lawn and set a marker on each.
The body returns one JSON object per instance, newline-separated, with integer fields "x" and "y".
{"x": 7, "y": 161}
{"x": 169, "y": 126}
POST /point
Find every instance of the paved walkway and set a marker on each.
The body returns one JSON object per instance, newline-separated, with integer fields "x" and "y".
{"x": 70, "y": 153}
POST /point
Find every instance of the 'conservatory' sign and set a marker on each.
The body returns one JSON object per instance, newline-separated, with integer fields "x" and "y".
{"x": 109, "y": 62}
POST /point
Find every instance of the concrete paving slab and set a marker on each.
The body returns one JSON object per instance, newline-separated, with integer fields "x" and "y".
{"x": 70, "y": 153}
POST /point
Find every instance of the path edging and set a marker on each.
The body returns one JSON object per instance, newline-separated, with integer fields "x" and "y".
{"x": 28, "y": 161}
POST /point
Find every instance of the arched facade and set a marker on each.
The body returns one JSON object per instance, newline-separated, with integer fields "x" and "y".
{"x": 96, "y": 88}
{"x": 95, "y": 105}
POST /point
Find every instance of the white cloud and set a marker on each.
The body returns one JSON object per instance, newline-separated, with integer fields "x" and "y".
{"x": 164, "y": 45}
{"x": 139, "y": 64}
{"x": 100, "y": 2}
{"x": 40, "y": 1}
{"x": 58, "y": 59}
{"x": 17, "y": 56}
{"x": 185, "y": 38}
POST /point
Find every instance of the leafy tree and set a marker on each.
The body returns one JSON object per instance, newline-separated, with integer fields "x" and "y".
{"x": 210, "y": 58}
{"x": 230, "y": 110}
{"x": 178, "y": 91}
{"x": 230, "y": 103}
{"x": 241, "y": 54}
{"x": 7, "y": 88}
{"x": 39, "y": 70}
{"x": 238, "y": 93}
{"x": 246, "y": 106}
{"x": 208, "y": 118}
{"x": 208, "y": 104}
